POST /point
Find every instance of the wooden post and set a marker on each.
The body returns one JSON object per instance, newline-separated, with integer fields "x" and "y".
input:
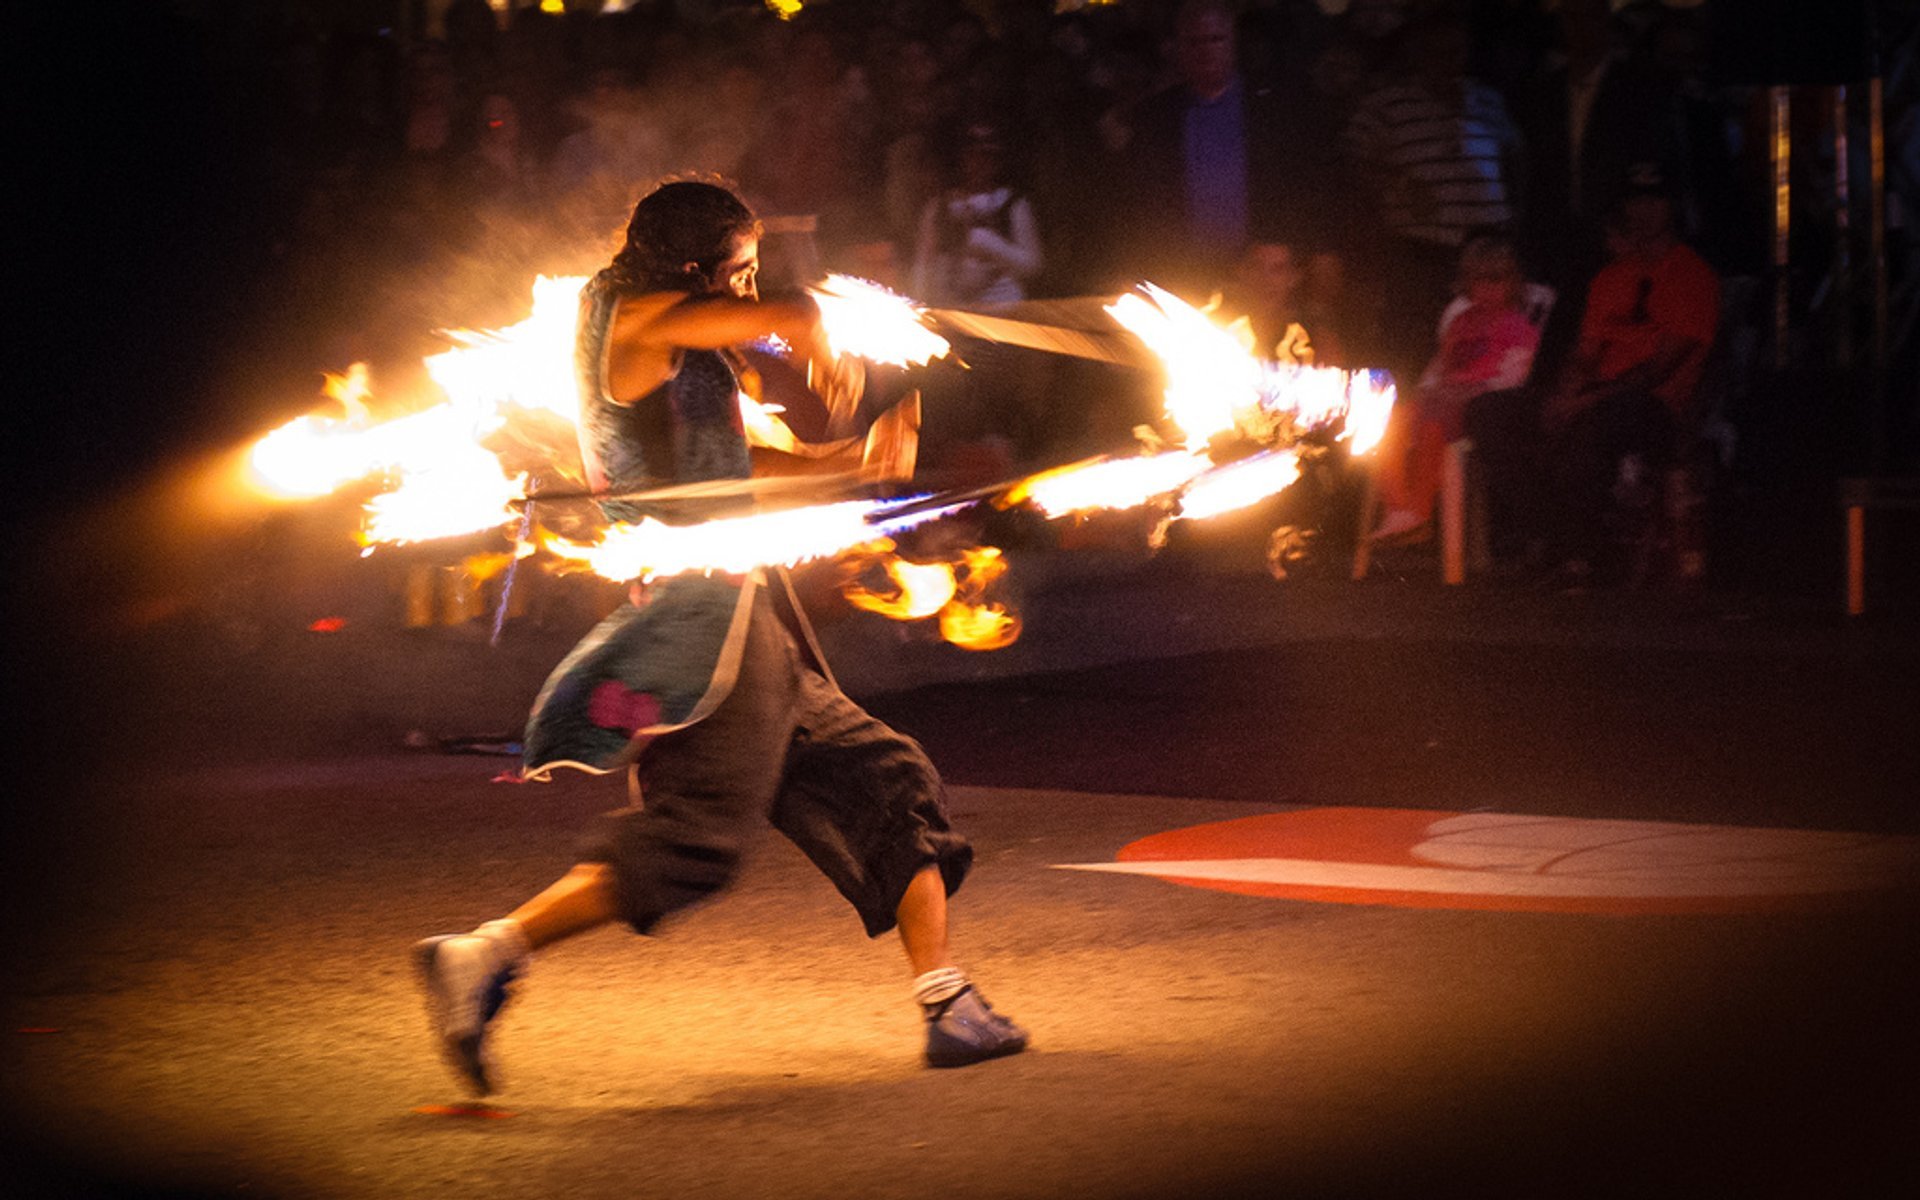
{"x": 1782, "y": 153}
{"x": 1856, "y": 559}
{"x": 421, "y": 604}
{"x": 1363, "y": 544}
{"x": 1453, "y": 513}
{"x": 1877, "y": 250}
{"x": 1842, "y": 232}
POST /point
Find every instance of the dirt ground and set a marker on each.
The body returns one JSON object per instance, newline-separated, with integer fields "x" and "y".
{"x": 212, "y": 997}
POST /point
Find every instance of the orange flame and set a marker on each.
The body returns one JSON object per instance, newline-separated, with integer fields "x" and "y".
{"x": 1216, "y": 388}
{"x": 444, "y": 482}
{"x": 952, "y": 591}
{"x": 1108, "y": 483}
{"x": 968, "y": 621}
{"x": 919, "y": 589}
{"x": 867, "y": 321}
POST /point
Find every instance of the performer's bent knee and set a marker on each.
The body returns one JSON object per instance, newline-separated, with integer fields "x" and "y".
{"x": 658, "y": 869}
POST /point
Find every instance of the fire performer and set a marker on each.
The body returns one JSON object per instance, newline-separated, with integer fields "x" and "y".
{"x": 710, "y": 689}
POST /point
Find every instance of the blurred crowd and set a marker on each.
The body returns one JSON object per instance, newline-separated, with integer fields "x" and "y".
{"x": 1552, "y": 221}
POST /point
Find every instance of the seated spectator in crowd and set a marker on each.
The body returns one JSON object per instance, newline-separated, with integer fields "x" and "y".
{"x": 1632, "y": 388}
{"x": 1488, "y": 337}
{"x": 1439, "y": 152}
{"x": 978, "y": 243}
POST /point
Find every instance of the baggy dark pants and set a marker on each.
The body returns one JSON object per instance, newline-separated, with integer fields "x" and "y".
{"x": 860, "y": 800}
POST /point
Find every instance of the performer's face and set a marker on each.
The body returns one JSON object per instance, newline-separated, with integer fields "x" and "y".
{"x": 739, "y": 274}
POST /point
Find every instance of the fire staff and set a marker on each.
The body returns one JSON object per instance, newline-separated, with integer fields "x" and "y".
{"x": 710, "y": 689}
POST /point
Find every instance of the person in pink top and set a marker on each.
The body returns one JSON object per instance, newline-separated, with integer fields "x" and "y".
{"x": 1488, "y": 337}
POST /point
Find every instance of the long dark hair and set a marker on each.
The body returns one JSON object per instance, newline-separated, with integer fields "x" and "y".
{"x": 686, "y": 221}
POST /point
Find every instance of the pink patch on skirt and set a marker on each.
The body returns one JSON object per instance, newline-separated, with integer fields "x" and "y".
{"x": 615, "y": 706}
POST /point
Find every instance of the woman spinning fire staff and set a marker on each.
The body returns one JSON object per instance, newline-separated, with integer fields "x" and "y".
{"x": 710, "y": 687}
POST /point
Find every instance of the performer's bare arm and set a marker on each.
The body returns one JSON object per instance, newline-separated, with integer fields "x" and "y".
{"x": 649, "y": 332}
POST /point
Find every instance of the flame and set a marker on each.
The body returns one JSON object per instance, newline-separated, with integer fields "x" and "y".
{"x": 1211, "y": 371}
{"x": 1239, "y": 484}
{"x": 867, "y": 321}
{"x": 1108, "y": 483}
{"x": 444, "y": 483}
{"x": 953, "y": 591}
{"x": 979, "y": 626}
{"x": 1294, "y": 348}
{"x": 969, "y": 622}
{"x": 350, "y": 391}
{"x": 764, "y": 426}
{"x": 919, "y": 589}
{"x": 1217, "y": 388}
{"x": 1370, "y": 400}
{"x": 310, "y": 456}
{"x": 440, "y": 480}
{"x": 735, "y": 545}
{"x": 528, "y": 365}
{"x": 460, "y": 489}
{"x": 1216, "y": 385}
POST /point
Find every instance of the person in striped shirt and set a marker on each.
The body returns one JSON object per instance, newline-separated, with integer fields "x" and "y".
{"x": 1438, "y": 151}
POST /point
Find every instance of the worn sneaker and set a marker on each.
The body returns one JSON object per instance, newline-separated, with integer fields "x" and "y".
{"x": 466, "y": 978}
{"x": 964, "y": 1029}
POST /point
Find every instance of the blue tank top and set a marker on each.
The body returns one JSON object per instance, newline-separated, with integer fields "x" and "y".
{"x": 687, "y": 430}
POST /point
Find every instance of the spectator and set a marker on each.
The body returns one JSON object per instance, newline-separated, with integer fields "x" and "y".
{"x": 803, "y": 159}
{"x": 1488, "y": 338}
{"x": 499, "y": 170}
{"x": 1342, "y": 320}
{"x": 1589, "y": 115}
{"x": 978, "y": 243}
{"x": 432, "y": 119}
{"x": 910, "y": 170}
{"x": 1211, "y": 162}
{"x": 1063, "y": 106}
{"x": 1438, "y": 152}
{"x": 1628, "y": 403}
{"x": 977, "y": 247}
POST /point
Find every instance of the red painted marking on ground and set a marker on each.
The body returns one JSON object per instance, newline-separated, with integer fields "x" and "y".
{"x": 328, "y": 625}
{"x": 1359, "y": 835}
{"x": 39, "y": 1029}
{"x": 480, "y": 1112}
{"x": 1330, "y": 842}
